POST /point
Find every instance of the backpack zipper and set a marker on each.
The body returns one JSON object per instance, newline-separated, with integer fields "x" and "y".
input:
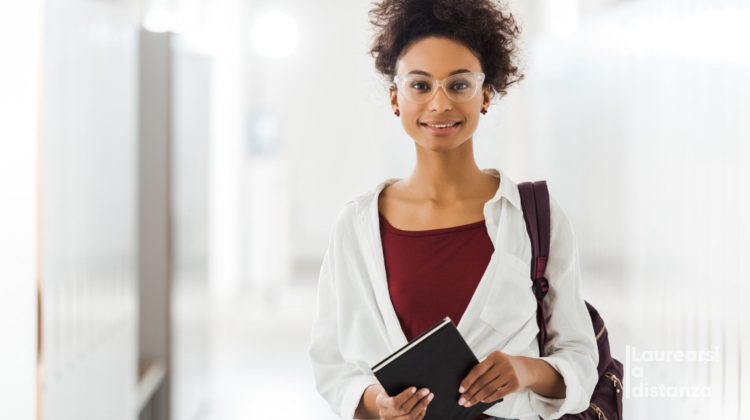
{"x": 599, "y": 413}
{"x": 618, "y": 389}
{"x": 615, "y": 380}
{"x": 618, "y": 386}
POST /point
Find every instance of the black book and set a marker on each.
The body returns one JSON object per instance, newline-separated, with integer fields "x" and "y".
{"x": 438, "y": 359}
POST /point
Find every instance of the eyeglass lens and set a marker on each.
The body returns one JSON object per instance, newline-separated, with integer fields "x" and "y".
{"x": 459, "y": 87}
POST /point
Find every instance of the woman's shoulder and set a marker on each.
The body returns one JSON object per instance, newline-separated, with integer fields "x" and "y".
{"x": 345, "y": 218}
{"x": 360, "y": 205}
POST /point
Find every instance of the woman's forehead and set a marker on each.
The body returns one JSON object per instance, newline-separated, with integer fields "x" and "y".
{"x": 437, "y": 56}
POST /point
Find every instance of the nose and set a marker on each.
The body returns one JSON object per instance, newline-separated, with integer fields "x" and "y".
{"x": 440, "y": 100}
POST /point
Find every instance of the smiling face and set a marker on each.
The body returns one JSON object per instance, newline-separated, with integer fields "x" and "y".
{"x": 439, "y": 58}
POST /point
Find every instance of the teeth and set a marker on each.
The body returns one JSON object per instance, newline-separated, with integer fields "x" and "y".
{"x": 441, "y": 125}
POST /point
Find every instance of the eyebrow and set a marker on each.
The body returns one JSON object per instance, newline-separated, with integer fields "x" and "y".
{"x": 424, "y": 73}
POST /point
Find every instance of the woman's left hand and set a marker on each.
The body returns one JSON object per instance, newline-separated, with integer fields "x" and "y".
{"x": 498, "y": 375}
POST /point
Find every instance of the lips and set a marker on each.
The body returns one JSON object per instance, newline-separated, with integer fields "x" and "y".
{"x": 441, "y": 128}
{"x": 440, "y": 124}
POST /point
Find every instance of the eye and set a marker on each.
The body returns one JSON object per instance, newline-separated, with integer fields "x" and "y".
{"x": 420, "y": 86}
{"x": 461, "y": 85}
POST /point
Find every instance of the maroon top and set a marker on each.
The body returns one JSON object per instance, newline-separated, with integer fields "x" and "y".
{"x": 433, "y": 273}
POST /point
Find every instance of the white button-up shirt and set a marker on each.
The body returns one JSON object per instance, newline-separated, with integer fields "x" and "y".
{"x": 355, "y": 325}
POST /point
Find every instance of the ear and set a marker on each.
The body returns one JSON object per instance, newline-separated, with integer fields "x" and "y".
{"x": 394, "y": 97}
{"x": 486, "y": 96}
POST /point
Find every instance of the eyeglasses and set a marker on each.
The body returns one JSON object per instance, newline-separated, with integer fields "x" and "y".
{"x": 458, "y": 88}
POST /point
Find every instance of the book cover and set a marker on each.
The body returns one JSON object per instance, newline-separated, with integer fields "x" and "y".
{"x": 438, "y": 359}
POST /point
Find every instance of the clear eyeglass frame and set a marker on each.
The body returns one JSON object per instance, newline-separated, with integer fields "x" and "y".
{"x": 399, "y": 81}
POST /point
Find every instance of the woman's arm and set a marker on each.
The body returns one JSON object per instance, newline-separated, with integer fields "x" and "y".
{"x": 545, "y": 380}
{"x": 571, "y": 347}
{"x": 367, "y": 408}
{"x": 501, "y": 374}
{"x": 338, "y": 381}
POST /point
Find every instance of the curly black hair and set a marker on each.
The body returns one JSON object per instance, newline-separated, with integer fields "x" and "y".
{"x": 480, "y": 25}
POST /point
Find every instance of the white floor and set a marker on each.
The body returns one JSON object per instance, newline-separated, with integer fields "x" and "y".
{"x": 259, "y": 364}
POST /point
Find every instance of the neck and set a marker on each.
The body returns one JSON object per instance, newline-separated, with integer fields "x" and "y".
{"x": 445, "y": 177}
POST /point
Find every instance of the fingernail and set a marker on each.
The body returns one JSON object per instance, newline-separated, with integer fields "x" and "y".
{"x": 413, "y": 390}
{"x": 430, "y": 397}
{"x": 425, "y": 392}
{"x": 461, "y": 401}
{"x": 461, "y": 389}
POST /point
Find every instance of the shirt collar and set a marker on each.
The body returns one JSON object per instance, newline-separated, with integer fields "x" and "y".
{"x": 507, "y": 189}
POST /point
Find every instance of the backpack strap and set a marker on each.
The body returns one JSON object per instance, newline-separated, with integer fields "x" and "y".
{"x": 536, "y": 213}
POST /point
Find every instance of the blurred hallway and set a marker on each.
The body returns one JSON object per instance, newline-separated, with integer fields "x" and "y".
{"x": 171, "y": 169}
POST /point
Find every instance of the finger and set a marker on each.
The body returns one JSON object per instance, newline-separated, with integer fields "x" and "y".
{"x": 404, "y": 396}
{"x": 474, "y": 374}
{"x": 485, "y": 392}
{"x": 420, "y": 410}
{"x": 503, "y": 391}
{"x": 415, "y": 399}
{"x": 383, "y": 400}
{"x": 479, "y": 384}
{"x": 421, "y": 415}
{"x": 394, "y": 406}
{"x": 412, "y": 414}
{"x": 424, "y": 402}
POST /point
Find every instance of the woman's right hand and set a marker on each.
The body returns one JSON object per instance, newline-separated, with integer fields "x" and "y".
{"x": 410, "y": 404}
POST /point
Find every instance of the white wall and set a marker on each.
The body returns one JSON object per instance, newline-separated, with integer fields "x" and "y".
{"x": 191, "y": 346}
{"x": 20, "y": 31}
{"x": 640, "y": 122}
{"x": 88, "y": 224}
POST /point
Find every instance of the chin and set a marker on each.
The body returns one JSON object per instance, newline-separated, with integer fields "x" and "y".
{"x": 440, "y": 144}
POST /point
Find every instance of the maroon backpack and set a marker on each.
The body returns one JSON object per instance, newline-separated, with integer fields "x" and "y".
{"x": 606, "y": 401}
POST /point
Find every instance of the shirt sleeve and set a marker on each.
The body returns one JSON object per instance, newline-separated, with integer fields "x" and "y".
{"x": 571, "y": 344}
{"x": 339, "y": 382}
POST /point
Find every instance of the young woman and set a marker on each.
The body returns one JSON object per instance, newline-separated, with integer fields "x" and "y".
{"x": 449, "y": 240}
